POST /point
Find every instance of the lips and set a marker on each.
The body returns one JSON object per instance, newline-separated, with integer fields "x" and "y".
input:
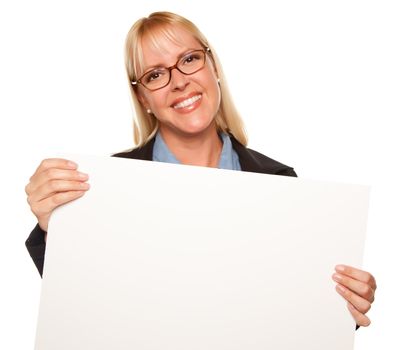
{"x": 187, "y": 102}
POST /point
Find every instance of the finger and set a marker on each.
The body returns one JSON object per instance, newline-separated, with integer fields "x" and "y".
{"x": 361, "y": 304}
{"x": 46, "y": 206}
{"x": 54, "y": 174}
{"x": 361, "y": 288}
{"x": 360, "y": 318}
{"x": 46, "y": 164}
{"x": 56, "y": 186}
{"x": 56, "y": 163}
{"x": 357, "y": 274}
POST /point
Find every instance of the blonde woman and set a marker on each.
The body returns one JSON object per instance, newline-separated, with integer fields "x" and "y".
{"x": 183, "y": 114}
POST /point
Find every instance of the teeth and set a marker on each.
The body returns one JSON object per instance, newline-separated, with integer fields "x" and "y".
{"x": 187, "y": 102}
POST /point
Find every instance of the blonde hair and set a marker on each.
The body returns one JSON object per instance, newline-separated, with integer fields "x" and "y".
{"x": 145, "y": 124}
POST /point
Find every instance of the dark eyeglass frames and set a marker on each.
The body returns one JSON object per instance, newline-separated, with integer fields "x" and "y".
{"x": 160, "y": 77}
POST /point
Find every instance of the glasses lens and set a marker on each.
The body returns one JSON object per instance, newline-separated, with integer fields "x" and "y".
{"x": 192, "y": 62}
{"x": 188, "y": 64}
{"x": 156, "y": 78}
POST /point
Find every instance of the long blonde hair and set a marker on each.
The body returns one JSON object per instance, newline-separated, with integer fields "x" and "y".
{"x": 145, "y": 124}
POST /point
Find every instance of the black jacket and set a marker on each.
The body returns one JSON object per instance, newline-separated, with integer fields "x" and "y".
{"x": 249, "y": 159}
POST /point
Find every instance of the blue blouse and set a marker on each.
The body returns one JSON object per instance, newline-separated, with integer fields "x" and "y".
{"x": 228, "y": 159}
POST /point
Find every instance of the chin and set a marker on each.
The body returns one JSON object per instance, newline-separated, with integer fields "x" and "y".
{"x": 194, "y": 125}
{"x": 198, "y": 128}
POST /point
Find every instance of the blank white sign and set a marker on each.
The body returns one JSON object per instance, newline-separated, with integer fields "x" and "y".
{"x": 161, "y": 257}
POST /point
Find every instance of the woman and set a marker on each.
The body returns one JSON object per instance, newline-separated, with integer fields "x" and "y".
{"x": 184, "y": 114}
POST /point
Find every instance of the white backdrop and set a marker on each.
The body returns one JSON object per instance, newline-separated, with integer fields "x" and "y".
{"x": 324, "y": 86}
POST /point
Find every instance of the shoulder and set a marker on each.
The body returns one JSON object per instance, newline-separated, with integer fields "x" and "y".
{"x": 253, "y": 161}
{"x": 144, "y": 152}
{"x": 250, "y": 160}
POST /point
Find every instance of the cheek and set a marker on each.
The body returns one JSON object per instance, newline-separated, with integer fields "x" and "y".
{"x": 142, "y": 98}
{"x": 156, "y": 101}
{"x": 151, "y": 100}
{"x": 213, "y": 85}
{"x": 214, "y": 92}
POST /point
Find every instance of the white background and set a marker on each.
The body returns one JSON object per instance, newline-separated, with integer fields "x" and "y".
{"x": 324, "y": 86}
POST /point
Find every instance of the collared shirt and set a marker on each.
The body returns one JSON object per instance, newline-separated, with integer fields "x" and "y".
{"x": 228, "y": 159}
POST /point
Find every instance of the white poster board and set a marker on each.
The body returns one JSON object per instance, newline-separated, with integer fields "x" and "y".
{"x": 161, "y": 256}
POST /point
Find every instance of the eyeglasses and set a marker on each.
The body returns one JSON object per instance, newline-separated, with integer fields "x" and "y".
{"x": 188, "y": 64}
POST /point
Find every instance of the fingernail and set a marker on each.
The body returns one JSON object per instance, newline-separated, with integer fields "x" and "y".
{"x": 71, "y": 164}
{"x": 83, "y": 175}
{"x": 84, "y": 185}
{"x": 340, "y": 268}
{"x": 337, "y": 277}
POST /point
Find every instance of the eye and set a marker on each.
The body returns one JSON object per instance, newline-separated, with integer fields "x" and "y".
{"x": 191, "y": 58}
{"x": 153, "y": 75}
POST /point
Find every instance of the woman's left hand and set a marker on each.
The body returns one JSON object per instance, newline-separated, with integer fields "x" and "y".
{"x": 358, "y": 288}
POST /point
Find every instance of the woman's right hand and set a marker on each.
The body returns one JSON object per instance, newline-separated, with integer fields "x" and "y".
{"x": 55, "y": 182}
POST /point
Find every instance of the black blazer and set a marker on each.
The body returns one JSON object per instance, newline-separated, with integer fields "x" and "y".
{"x": 249, "y": 159}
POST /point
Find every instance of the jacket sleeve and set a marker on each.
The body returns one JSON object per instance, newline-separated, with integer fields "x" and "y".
{"x": 36, "y": 246}
{"x": 287, "y": 172}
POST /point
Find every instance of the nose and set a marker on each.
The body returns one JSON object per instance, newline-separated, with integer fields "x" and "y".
{"x": 179, "y": 81}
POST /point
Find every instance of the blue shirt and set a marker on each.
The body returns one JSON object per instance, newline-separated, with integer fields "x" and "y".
{"x": 228, "y": 159}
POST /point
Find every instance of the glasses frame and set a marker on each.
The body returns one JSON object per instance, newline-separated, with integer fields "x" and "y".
{"x": 206, "y": 51}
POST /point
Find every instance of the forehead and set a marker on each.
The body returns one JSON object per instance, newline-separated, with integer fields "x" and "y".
{"x": 162, "y": 46}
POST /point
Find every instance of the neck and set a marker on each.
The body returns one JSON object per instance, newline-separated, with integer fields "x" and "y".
{"x": 203, "y": 149}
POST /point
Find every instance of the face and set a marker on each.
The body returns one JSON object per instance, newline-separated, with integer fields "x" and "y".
{"x": 188, "y": 105}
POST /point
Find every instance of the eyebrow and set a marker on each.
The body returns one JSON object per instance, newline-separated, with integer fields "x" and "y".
{"x": 152, "y": 67}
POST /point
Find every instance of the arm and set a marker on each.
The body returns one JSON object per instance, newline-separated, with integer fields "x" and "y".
{"x": 55, "y": 182}
{"x": 36, "y": 246}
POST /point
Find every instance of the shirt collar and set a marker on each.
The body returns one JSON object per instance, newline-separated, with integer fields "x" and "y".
{"x": 161, "y": 152}
{"x": 228, "y": 159}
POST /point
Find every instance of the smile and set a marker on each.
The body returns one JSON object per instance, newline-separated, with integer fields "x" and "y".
{"x": 188, "y": 102}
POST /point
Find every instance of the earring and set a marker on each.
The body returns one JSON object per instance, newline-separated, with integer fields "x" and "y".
{"x": 219, "y": 81}
{"x": 149, "y": 111}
